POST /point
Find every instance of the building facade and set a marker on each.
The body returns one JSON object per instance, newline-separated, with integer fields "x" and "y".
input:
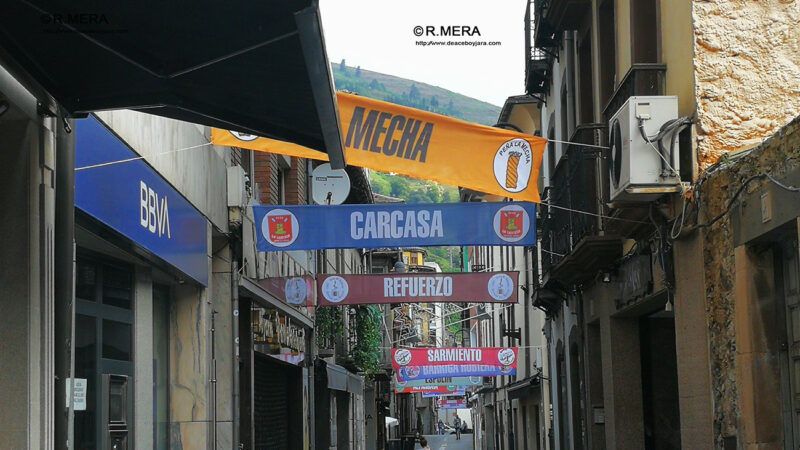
{"x": 639, "y": 283}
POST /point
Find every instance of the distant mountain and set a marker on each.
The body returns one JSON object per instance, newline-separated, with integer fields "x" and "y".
{"x": 412, "y": 93}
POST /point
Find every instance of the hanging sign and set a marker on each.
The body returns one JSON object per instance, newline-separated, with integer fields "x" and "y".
{"x": 492, "y": 356}
{"x": 461, "y": 392}
{"x": 392, "y": 138}
{"x": 451, "y": 403}
{"x": 440, "y": 381}
{"x": 467, "y": 287}
{"x": 430, "y": 389}
{"x": 298, "y": 291}
{"x": 135, "y": 201}
{"x": 453, "y": 370}
{"x": 394, "y": 225}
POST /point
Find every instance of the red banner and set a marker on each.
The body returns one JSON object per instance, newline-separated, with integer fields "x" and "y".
{"x": 468, "y": 287}
{"x": 451, "y": 403}
{"x": 488, "y": 356}
{"x": 297, "y": 291}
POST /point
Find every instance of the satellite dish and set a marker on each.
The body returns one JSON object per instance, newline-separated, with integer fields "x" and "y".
{"x": 329, "y": 186}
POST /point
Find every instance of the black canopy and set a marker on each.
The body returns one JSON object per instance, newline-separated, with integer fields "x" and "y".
{"x": 258, "y": 67}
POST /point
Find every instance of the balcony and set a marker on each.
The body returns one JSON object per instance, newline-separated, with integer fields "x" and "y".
{"x": 575, "y": 242}
{"x": 544, "y": 33}
{"x": 537, "y": 63}
{"x": 641, "y": 79}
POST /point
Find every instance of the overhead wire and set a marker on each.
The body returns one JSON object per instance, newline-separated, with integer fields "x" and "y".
{"x": 120, "y": 161}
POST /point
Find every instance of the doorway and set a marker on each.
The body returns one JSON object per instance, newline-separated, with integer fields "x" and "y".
{"x": 103, "y": 347}
{"x": 662, "y": 428}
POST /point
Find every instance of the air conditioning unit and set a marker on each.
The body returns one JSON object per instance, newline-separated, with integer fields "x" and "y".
{"x": 639, "y": 172}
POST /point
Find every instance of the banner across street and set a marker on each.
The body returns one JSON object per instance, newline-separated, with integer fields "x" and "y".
{"x": 452, "y": 403}
{"x": 298, "y": 291}
{"x": 459, "y": 392}
{"x": 313, "y": 227}
{"x": 440, "y": 381}
{"x": 430, "y": 389}
{"x": 454, "y": 356}
{"x": 466, "y": 370}
{"x": 392, "y": 138}
{"x": 476, "y": 287}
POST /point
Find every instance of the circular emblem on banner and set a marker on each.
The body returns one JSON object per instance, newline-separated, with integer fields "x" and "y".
{"x": 511, "y": 223}
{"x": 402, "y": 357}
{"x": 335, "y": 289}
{"x": 505, "y": 369}
{"x": 501, "y": 286}
{"x": 243, "y": 136}
{"x": 296, "y": 291}
{"x": 475, "y": 380}
{"x": 506, "y": 356}
{"x": 412, "y": 372}
{"x": 513, "y": 162}
{"x": 280, "y": 228}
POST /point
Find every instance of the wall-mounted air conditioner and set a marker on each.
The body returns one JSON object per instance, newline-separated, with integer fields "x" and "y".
{"x": 641, "y": 171}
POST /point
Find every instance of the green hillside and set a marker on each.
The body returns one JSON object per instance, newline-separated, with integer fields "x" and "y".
{"x": 429, "y": 98}
{"x": 414, "y": 94}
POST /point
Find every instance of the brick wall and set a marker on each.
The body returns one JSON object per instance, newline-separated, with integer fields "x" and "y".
{"x": 266, "y": 174}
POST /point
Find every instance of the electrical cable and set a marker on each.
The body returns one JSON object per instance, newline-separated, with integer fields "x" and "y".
{"x": 109, "y": 163}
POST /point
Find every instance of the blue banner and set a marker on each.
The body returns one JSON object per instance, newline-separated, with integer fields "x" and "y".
{"x": 454, "y": 370}
{"x": 395, "y": 225}
{"x": 132, "y": 198}
{"x": 459, "y": 392}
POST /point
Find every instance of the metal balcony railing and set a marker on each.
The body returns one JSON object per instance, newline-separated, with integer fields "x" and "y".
{"x": 641, "y": 79}
{"x": 537, "y": 64}
{"x": 575, "y": 197}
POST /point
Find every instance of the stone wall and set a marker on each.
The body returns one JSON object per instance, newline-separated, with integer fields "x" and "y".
{"x": 747, "y": 72}
{"x": 778, "y": 155}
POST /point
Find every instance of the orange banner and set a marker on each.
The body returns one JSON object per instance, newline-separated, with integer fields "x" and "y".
{"x": 391, "y": 138}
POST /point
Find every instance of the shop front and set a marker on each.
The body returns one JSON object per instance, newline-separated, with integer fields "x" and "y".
{"x": 274, "y": 378}
{"x": 141, "y": 250}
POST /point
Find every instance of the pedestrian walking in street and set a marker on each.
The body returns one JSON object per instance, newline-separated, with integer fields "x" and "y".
{"x": 424, "y": 444}
{"x": 457, "y": 426}
{"x": 441, "y": 427}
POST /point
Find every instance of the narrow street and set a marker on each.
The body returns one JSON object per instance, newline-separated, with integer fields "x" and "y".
{"x": 448, "y": 442}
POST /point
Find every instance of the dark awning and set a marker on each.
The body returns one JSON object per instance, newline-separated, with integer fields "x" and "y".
{"x": 251, "y": 66}
{"x": 341, "y": 379}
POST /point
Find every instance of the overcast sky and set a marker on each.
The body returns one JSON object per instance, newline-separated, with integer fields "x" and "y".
{"x": 379, "y": 35}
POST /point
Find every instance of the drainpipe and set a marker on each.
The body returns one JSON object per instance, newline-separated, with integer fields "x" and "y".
{"x": 213, "y": 375}
{"x": 569, "y": 49}
{"x": 64, "y": 276}
{"x": 235, "y": 341}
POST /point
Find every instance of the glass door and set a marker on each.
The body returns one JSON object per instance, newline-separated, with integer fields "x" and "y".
{"x": 103, "y": 338}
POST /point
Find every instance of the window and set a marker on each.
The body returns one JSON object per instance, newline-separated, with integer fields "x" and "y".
{"x": 607, "y": 50}
{"x": 644, "y": 31}
{"x": 586, "y": 113}
{"x": 116, "y": 340}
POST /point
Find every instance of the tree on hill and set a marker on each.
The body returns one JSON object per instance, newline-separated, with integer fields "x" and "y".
{"x": 413, "y": 91}
{"x": 342, "y": 66}
{"x": 358, "y": 72}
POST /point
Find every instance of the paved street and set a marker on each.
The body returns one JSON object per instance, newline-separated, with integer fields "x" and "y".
{"x": 449, "y": 442}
